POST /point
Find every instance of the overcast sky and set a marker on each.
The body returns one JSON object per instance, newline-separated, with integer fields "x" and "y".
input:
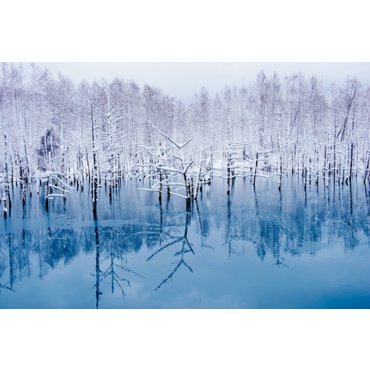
{"x": 182, "y": 80}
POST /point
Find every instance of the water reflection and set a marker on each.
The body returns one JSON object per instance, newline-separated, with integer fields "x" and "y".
{"x": 168, "y": 239}
{"x": 114, "y": 252}
{"x": 181, "y": 245}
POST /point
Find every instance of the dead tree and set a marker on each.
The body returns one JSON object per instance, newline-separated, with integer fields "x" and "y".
{"x": 7, "y": 204}
{"x": 169, "y": 169}
{"x": 94, "y": 190}
{"x": 56, "y": 187}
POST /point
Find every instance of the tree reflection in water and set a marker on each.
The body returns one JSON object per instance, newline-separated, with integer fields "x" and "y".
{"x": 183, "y": 247}
{"x": 291, "y": 222}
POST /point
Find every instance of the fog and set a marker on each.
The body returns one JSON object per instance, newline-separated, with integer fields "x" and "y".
{"x": 182, "y": 80}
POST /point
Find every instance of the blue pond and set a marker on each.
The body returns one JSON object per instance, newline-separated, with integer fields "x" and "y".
{"x": 257, "y": 248}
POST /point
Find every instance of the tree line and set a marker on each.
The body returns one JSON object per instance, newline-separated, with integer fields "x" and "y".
{"x": 62, "y": 135}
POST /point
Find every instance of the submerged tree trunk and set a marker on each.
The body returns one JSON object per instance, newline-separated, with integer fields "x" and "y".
{"x": 7, "y": 204}
{"x": 95, "y": 167}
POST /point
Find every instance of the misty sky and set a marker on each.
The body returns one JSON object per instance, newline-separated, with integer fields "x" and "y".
{"x": 183, "y": 80}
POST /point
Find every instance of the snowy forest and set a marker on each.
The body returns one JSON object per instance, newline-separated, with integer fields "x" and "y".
{"x": 61, "y": 137}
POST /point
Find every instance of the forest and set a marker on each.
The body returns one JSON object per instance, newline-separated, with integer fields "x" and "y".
{"x": 61, "y": 137}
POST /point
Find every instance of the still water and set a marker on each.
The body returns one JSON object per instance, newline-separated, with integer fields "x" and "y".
{"x": 257, "y": 248}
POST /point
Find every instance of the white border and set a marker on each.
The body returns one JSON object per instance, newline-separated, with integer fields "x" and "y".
{"x": 185, "y": 339}
{"x": 186, "y": 31}
{"x": 316, "y": 30}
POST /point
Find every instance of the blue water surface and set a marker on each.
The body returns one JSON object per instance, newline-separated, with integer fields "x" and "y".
{"x": 257, "y": 248}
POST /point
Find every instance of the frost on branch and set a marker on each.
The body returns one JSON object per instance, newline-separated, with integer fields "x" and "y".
{"x": 96, "y": 135}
